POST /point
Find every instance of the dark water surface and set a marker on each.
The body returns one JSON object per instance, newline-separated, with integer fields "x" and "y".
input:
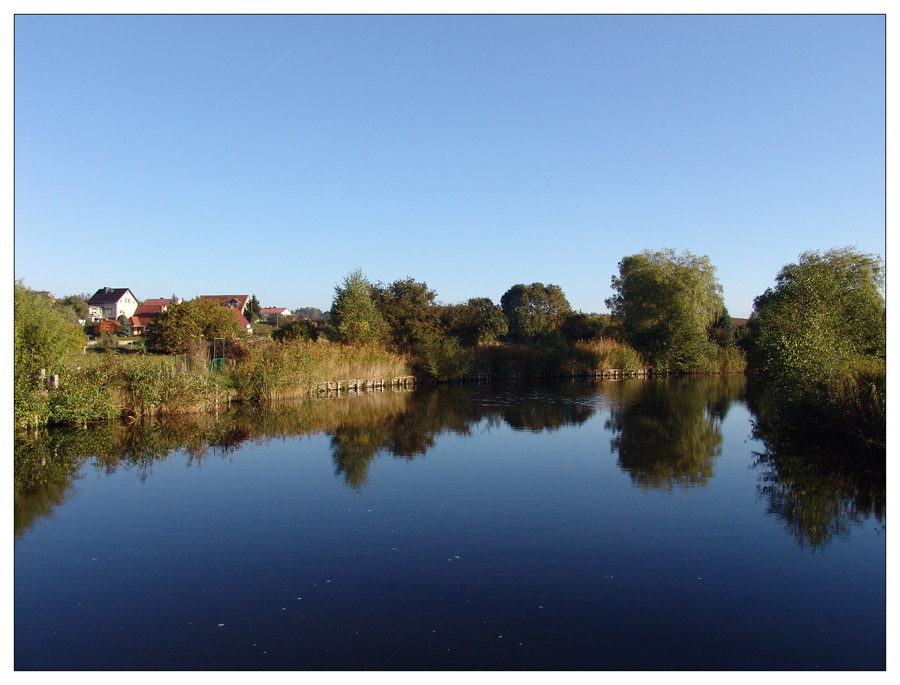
{"x": 635, "y": 525}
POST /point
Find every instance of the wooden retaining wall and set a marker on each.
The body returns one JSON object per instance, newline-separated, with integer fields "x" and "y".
{"x": 365, "y": 385}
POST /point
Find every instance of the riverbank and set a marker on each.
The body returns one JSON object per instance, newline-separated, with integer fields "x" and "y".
{"x": 104, "y": 386}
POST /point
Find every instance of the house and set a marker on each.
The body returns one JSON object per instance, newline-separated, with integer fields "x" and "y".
{"x": 149, "y": 310}
{"x": 272, "y": 314}
{"x": 240, "y": 320}
{"x": 238, "y": 302}
{"x": 111, "y": 303}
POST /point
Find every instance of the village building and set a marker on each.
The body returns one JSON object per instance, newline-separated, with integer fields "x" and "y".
{"x": 272, "y": 315}
{"x": 149, "y": 310}
{"x": 239, "y": 302}
{"x": 111, "y": 303}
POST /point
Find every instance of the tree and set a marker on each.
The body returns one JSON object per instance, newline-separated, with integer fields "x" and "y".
{"x": 299, "y": 329}
{"x": 824, "y": 321}
{"x": 354, "y": 317}
{"x": 190, "y": 322}
{"x": 534, "y": 311}
{"x": 409, "y": 311}
{"x": 254, "y": 310}
{"x": 311, "y": 313}
{"x": 476, "y": 322}
{"x": 580, "y": 326}
{"x": 666, "y": 303}
{"x": 73, "y": 307}
{"x": 43, "y": 337}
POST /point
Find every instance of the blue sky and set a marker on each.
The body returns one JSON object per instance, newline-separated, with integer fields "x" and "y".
{"x": 274, "y": 154}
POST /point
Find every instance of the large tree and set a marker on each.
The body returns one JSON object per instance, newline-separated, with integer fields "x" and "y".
{"x": 824, "y": 317}
{"x": 476, "y": 322}
{"x": 43, "y": 336}
{"x": 409, "y": 310}
{"x": 191, "y": 321}
{"x": 354, "y": 317}
{"x": 534, "y": 311}
{"x": 667, "y": 302}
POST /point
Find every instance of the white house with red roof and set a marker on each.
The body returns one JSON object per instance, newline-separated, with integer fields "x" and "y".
{"x": 111, "y": 303}
{"x": 272, "y": 314}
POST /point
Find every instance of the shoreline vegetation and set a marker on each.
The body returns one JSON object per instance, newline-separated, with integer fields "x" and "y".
{"x": 818, "y": 338}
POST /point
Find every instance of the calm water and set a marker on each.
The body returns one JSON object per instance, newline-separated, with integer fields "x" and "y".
{"x": 606, "y": 525}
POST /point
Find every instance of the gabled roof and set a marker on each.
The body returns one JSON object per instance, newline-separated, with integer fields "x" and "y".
{"x": 274, "y": 310}
{"x": 240, "y": 301}
{"x": 239, "y": 318}
{"x": 153, "y": 307}
{"x": 109, "y": 295}
{"x": 159, "y": 302}
{"x": 139, "y": 320}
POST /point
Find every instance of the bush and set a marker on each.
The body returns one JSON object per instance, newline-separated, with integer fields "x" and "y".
{"x": 83, "y": 395}
{"x": 301, "y": 329}
{"x": 30, "y": 405}
{"x": 442, "y": 359}
{"x": 108, "y": 343}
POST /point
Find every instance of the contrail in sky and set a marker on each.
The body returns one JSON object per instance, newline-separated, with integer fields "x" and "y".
{"x": 271, "y": 69}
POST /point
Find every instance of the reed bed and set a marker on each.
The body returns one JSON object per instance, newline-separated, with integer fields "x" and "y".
{"x": 276, "y": 371}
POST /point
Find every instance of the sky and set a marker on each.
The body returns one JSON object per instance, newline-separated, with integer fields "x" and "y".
{"x": 273, "y": 155}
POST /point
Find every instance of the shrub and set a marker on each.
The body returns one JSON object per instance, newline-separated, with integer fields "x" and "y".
{"x": 442, "y": 359}
{"x": 83, "y": 395}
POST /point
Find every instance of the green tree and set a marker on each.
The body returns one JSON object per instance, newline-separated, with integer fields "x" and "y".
{"x": 534, "y": 311}
{"x": 354, "y": 317}
{"x": 475, "y": 322}
{"x": 820, "y": 337}
{"x": 298, "y": 329}
{"x": 409, "y": 311}
{"x": 191, "y": 322}
{"x": 579, "y": 326}
{"x": 254, "y": 310}
{"x": 73, "y": 307}
{"x": 666, "y": 303}
{"x": 43, "y": 337}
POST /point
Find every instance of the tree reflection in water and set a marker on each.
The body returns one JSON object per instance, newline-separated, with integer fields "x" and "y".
{"x": 668, "y": 431}
{"x": 666, "y": 434}
{"x": 820, "y": 492}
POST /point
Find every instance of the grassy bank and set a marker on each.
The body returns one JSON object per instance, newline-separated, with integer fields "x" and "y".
{"x": 131, "y": 385}
{"x": 94, "y": 387}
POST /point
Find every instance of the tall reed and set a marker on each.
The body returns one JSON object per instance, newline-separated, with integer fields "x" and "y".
{"x": 275, "y": 370}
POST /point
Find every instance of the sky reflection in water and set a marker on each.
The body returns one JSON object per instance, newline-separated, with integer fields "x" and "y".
{"x": 627, "y": 525}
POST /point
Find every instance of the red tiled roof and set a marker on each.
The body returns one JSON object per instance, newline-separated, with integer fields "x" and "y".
{"x": 239, "y": 318}
{"x": 274, "y": 310}
{"x": 242, "y": 300}
{"x": 149, "y": 309}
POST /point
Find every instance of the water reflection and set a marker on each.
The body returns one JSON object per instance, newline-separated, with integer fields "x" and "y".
{"x": 820, "y": 492}
{"x": 668, "y": 433}
{"x": 665, "y": 433}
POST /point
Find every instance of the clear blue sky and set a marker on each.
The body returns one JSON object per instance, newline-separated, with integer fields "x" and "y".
{"x": 272, "y": 155}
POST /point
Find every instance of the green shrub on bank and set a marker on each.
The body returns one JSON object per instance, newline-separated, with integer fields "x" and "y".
{"x": 442, "y": 359}
{"x": 83, "y": 395}
{"x": 31, "y": 407}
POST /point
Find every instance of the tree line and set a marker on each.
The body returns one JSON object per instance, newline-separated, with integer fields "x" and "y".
{"x": 818, "y": 335}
